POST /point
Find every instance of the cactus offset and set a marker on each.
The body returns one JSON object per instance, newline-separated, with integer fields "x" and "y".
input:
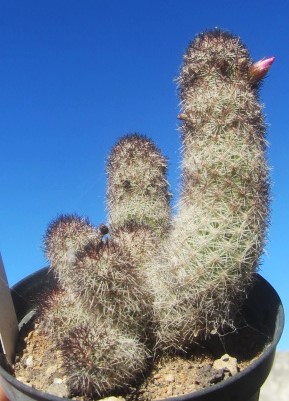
{"x": 99, "y": 292}
{"x": 108, "y": 283}
{"x": 137, "y": 196}
{"x": 137, "y": 187}
{"x": 208, "y": 262}
{"x": 65, "y": 237}
{"x": 98, "y": 357}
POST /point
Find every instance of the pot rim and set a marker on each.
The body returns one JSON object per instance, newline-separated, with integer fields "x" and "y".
{"x": 268, "y": 352}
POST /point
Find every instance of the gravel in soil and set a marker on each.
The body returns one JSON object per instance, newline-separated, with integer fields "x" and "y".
{"x": 39, "y": 365}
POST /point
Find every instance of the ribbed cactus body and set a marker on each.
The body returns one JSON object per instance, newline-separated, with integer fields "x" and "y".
{"x": 218, "y": 235}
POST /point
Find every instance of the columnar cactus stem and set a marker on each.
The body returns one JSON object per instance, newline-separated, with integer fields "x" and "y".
{"x": 137, "y": 196}
{"x": 137, "y": 187}
{"x": 218, "y": 235}
{"x": 99, "y": 316}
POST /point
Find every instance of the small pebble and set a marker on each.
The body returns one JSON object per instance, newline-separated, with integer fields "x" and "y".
{"x": 170, "y": 390}
{"x": 50, "y": 370}
{"x": 29, "y": 361}
{"x": 226, "y": 363}
{"x": 58, "y": 389}
{"x": 169, "y": 378}
{"x": 21, "y": 379}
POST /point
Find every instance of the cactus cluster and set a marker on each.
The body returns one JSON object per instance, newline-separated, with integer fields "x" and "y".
{"x": 157, "y": 282}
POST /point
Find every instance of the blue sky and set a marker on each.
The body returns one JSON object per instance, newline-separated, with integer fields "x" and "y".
{"x": 77, "y": 75}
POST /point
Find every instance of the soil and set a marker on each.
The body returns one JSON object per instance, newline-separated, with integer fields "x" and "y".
{"x": 39, "y": 365}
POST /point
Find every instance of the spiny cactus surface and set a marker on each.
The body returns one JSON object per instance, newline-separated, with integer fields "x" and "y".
{"x": 98, "y": 356}
{"x": 138, "y": 200}
{"x": 100, "y": 314}
{"x": 207, "y": 264}
{"x": 101, "y": 274}
{"x": 107, "y": 282}
{"x": 65, "y": 237}
{"x": 99, "y": 359}
{"x": 137, "y": 188}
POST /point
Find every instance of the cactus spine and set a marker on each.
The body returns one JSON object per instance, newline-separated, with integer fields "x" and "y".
{"x": 208, "y": 262}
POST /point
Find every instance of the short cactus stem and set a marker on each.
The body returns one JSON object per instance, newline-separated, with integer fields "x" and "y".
{"x": 98, "y": 359}
{"x": 97, "y": 356}
{"x": 65, "y": 237}
{"x": 98, "y": 272}
{"x": 109, "y": 285}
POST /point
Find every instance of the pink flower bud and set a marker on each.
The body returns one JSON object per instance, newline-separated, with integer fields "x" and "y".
{"x": 258, "y": 70}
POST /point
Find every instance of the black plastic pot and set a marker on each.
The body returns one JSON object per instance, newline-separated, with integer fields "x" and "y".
{"x": 262, "y": 310}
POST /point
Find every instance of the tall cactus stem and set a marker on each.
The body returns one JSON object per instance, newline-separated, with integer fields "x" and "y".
{"x": 208, "y": 263}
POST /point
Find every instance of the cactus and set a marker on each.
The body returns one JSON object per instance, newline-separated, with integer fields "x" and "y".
{"x": 137, "y": 196}
{"x": 137, "y": 187}
{"x": 99, "y": 273}
{"x": 59, "y": 311}
{"x": 98, "y": 359}
{"x": 208, "y": 263}
{"x": 65, "y": 237}
{"x": 108, "y": 283}
{"x": 99, "y": 292}
{"x": 97, "y": 356}
{"x": 159, "y": 282}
